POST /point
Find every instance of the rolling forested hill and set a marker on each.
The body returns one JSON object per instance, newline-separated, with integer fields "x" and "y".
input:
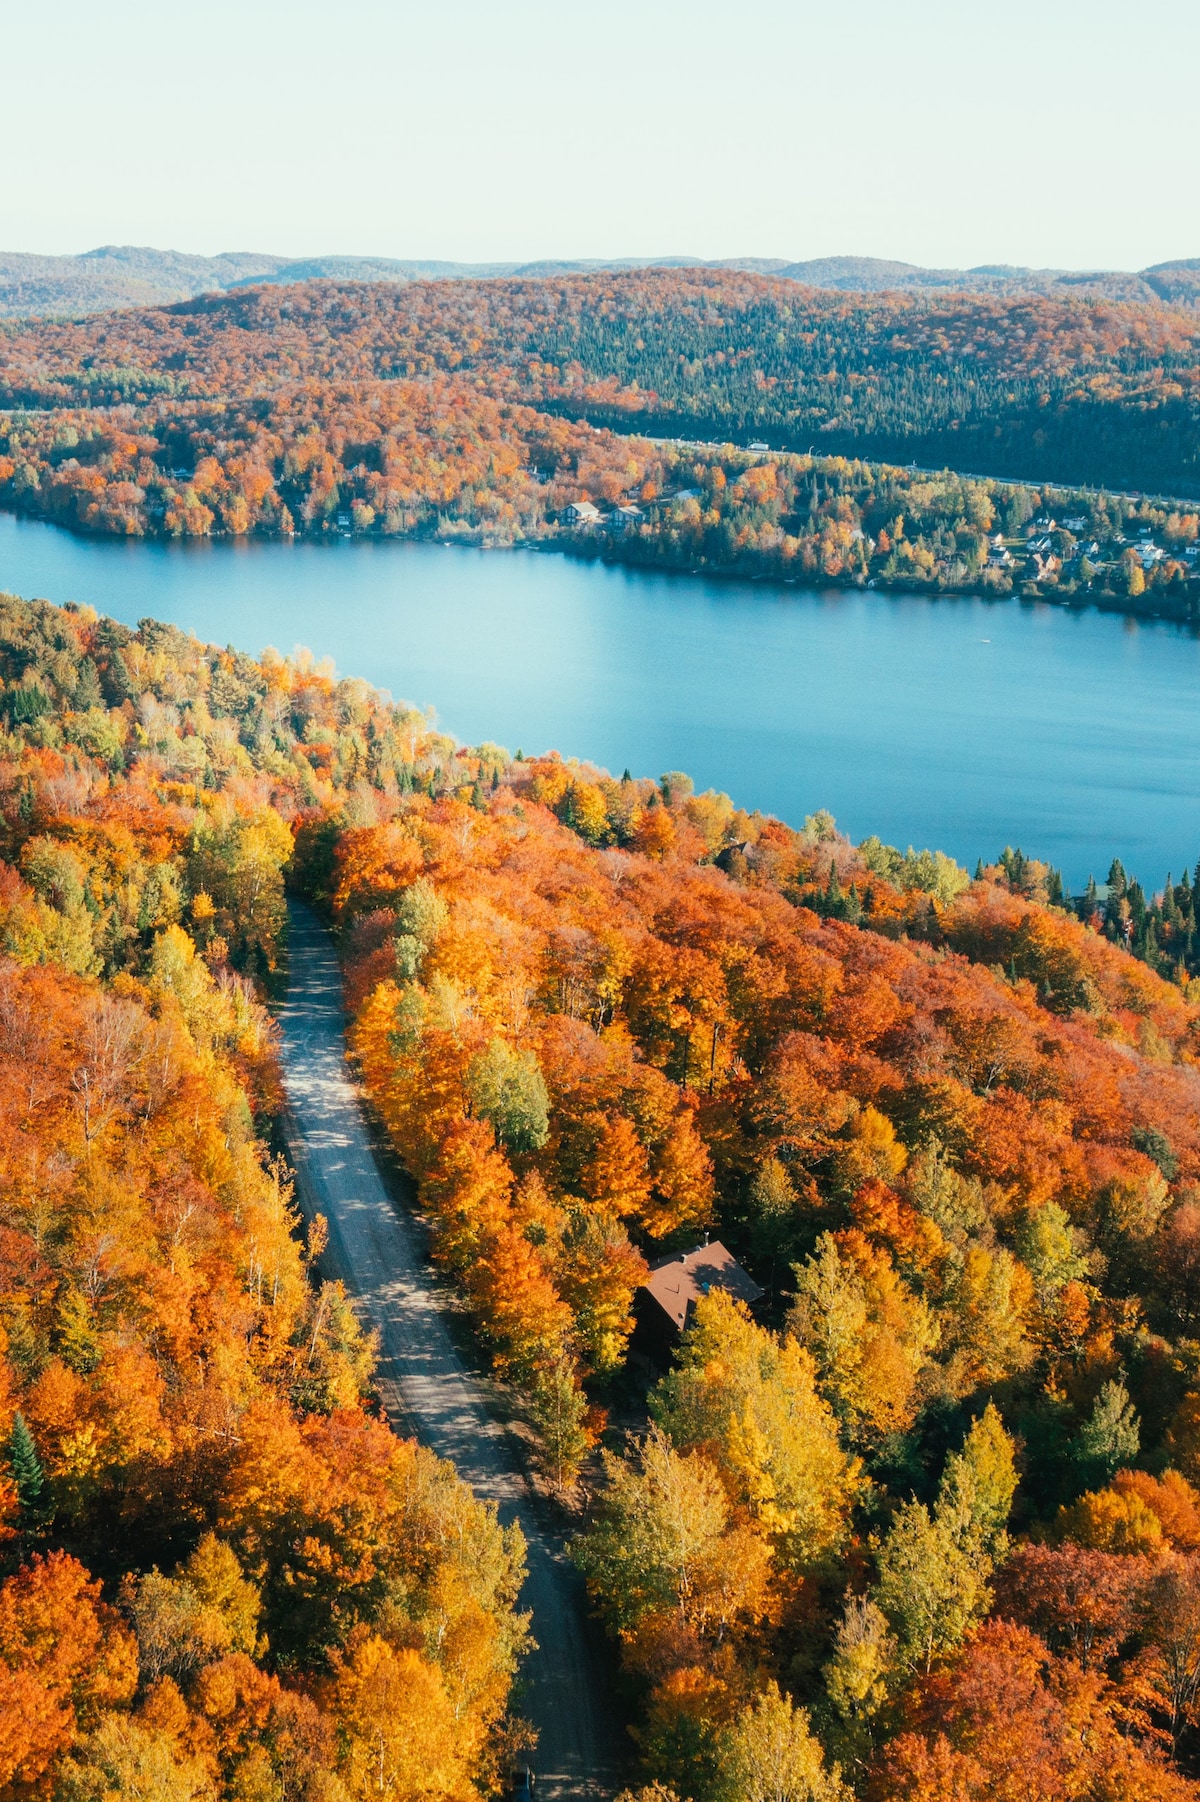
{"x": 124, "y": 275}
{"x": 927, "y": 1527}
{"x": 1067, "y": 391}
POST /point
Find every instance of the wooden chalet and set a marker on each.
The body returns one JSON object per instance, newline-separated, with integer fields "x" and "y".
{"x": 662, "y": 1306}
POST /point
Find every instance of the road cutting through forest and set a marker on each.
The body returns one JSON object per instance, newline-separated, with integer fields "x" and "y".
{"x": 426, "y": 1388}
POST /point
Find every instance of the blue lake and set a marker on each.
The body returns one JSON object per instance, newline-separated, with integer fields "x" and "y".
{"x": 962, "y": 724}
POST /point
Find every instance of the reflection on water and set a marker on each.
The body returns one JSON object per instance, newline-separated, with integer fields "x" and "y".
{"x": 964, "y": 724}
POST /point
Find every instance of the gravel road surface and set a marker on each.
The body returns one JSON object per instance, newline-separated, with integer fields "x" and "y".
{"x": 425, "y": 1386}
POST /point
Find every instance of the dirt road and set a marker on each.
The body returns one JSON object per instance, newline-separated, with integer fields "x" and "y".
{"x": 425, "y": 1386}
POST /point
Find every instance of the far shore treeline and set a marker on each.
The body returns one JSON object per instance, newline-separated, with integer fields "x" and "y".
{"x": 492, "y": 411}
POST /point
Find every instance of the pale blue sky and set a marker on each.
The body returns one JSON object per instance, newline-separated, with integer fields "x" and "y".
{"x": 1049, "y": 132}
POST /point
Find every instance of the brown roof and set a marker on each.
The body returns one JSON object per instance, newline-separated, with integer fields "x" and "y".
{"x": 677, "y": 1282}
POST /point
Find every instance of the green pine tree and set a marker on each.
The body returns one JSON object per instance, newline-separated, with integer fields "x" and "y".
{"x": 87, "y": 687}
{"x": 28, "y": 1477}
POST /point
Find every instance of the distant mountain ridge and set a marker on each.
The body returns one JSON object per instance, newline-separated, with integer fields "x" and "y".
{"x": 122, "y": 275}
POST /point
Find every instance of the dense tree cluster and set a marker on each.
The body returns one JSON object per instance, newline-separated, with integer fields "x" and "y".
{"x": 1160, "y": 929}
{"x": 829, "y": 520}
{"x": 1078, "y": 392}
{"x": 388, "y": 458}
{"x": 220, "y": 1575}
{"x": 956, "y": 1134}
{"x": 415, "y": 459}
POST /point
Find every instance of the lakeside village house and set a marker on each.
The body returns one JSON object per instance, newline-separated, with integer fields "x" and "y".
{"x": 584, "y": 514}
{"x": 663, "y": 1304}
{"x": 1047, "y": 551}
{"x": 1040, "y": 554}
{"x": 1037, "y": 553}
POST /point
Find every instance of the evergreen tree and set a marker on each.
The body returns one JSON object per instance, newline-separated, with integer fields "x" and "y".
{"x": 1156, "y": 1145}
{"x": 1016, "y": 866}
{"x": 87, "y": 687}
{"x": 28, "y": 1476}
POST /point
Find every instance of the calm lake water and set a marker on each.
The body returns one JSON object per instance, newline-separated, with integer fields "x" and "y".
{"x": 961, "y": 724}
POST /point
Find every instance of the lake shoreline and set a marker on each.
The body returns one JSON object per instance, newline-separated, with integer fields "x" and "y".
{"x": 582, "y": 548}
{"x": 1185, "y": 612}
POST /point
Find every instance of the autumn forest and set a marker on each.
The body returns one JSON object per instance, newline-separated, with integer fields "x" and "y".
{"x": 489, "y": 411}
{"x": 923, "y": 1525}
